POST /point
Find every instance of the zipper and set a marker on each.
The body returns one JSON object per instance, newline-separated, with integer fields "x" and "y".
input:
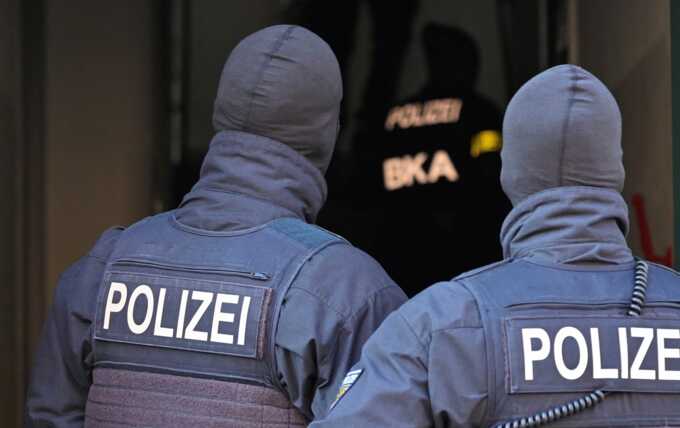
{"x": 586, "y": 306}
{"x": 260, "y": 276}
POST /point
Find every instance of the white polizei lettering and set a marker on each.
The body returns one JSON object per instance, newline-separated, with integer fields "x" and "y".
{"x": 243, "y": 321}
{"x": 219, "y": 316}
{"x": 190, "y": 332}
{"x": 533, "y": 355}
{"x": 664, "y": 353}
{"x": 598, "y": 371}
{"x": 142, "y": 290}
{"x": 111, "y": 306}
{"x": 647, "y": 335}
{"x": 182, "y": 313}
{"x": 566, "y": 372}
{"x": 623, "y": 352}
{"x": 158, "y": 329}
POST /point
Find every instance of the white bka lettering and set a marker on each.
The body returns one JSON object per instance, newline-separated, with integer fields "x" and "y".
{"x": 407, "y": 170}
{"x": 116, "y": 301}
{"x": 624, "y": 371}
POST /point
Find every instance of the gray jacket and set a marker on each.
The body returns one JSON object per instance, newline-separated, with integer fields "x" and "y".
{"x": 462, "y": 353}
{"x": 233, "y": 309}
{"x": 260, "y": 195}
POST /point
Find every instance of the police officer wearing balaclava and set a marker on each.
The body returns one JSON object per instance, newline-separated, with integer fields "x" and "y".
{"x": 569, "y": 327}
{"x": 232, "y": 310}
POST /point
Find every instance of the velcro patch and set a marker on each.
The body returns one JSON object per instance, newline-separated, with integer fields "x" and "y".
{"x": 183, "y": 313}
{"x": 582, "y": 354}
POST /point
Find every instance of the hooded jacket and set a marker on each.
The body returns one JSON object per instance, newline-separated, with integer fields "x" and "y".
{"x": 517, "y": 338}
{"x": 243, "y": 234}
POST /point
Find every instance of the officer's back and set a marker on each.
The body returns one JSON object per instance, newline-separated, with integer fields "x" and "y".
{"x": 569, "y": 329}
{"x": 232, "y": 310}
{"x": 438, "y": 166}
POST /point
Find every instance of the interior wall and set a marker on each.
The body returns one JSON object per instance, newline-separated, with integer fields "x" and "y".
{"x": 103, "y": 104}
{"x": 630, "y": 52}
{"x": 11, "y": 373}
{"x": 215, "y": 28}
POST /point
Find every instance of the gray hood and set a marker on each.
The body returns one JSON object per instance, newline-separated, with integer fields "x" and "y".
{"x": 283, "y": 83}
{"x": 563, "y": 172}
{"x": 568, "y": 225}
{"x": 562, "y": 128}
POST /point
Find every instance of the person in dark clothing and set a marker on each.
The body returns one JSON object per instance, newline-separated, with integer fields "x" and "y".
{"x": 436, "y": 166}
{"x": 551, "y": 332}
{"x": 336, "y": 22}
{"x": 232, "y": 310}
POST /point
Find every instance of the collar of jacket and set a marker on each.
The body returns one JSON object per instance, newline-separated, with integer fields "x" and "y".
{"x": 568, "y": 225}
{"x": 247, "y": 180}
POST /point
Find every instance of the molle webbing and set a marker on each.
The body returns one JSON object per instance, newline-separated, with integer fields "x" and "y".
{"x": 121, "y": 398}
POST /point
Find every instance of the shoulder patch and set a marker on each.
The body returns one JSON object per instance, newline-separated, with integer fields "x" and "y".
{"x": 346, "y": 384}
{"x": 482, "y": 269}
{"x": 308, "y": 235}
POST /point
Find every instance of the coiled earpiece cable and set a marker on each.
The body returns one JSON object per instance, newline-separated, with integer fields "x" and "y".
{"x": 594, "y": 398}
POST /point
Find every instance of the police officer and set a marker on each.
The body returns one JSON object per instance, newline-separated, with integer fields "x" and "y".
{"x": 438, "y": 170}
{"x": 233, "y": 309}
{"x": 569, "y": 327}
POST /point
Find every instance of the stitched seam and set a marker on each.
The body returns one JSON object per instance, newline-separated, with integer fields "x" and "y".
{"x": 260, "y": 74}
{"x": 666, "y": 268}
{"x": 346, "y": 317}
{"x": 444, "y": 329}
{"x": 479, "y": 271}
{"x": 422, "y": 345}
{"x": 489, "y": 356}
{"x": 371, "y": 299}
{"x": 339, "y": 314}
{"x": 565, "y": 126}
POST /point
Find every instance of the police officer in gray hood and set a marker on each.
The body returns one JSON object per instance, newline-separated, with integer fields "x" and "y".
{"x": 569, "y": 329}
{"x": 233, "y": 310}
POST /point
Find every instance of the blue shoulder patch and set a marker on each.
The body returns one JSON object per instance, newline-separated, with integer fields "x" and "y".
{"x": 309, "y": 235}
{"x": 482, "y": 269}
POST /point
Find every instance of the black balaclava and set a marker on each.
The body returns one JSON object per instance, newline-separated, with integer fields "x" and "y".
{"x": 452, "y": 58}
{"x": 284, "y": 83}
{"x": 562, "y": 128}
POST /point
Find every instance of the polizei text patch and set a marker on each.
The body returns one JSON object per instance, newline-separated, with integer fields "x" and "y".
{"x": 582, "y": 354}
{"x": 183, "y": 313}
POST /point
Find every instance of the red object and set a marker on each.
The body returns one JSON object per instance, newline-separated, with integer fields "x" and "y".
{"x": 646, "y": 235}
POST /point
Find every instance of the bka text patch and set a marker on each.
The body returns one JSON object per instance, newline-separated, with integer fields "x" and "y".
{"x": 183, "y": 313}
{"x": 615, "y": 353}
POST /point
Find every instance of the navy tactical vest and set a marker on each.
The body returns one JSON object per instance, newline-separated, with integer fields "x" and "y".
{"x": 556, "y": 333}
{"x": 185, "y": 324}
